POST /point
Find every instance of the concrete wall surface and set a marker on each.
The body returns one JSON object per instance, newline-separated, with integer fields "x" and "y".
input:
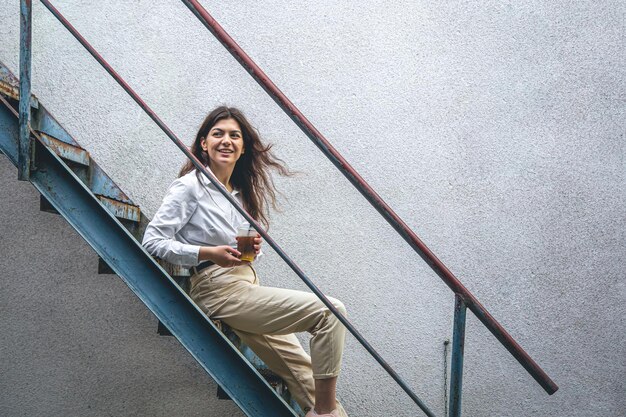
{"x": 495, "y": 129}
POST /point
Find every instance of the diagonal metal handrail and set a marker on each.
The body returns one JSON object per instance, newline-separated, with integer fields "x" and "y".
{"x": 270, "y": 241}
{"x": 368, "y": 192}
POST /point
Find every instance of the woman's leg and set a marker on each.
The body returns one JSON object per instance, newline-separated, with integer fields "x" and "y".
{"x": 274, "y": 311}
{"x": 277, "y": 311}
{"x": 284, "y": 355}
{"x": 325, "y": 395}
{"x": 253, "y": 310}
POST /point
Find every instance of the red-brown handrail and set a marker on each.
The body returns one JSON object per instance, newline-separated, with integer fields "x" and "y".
{"x": 368, "y": 192}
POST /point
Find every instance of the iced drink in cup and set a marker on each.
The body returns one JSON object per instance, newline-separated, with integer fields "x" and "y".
{"x": 245, "y": 242}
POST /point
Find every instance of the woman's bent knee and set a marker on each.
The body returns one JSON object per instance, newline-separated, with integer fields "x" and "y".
{"x": 338, "y": 305}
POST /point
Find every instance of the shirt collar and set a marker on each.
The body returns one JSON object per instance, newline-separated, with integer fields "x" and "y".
{"x": 206, "y": 181}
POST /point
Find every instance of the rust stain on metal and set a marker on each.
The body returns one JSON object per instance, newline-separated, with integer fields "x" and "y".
{"x": 65, "y": 150}
{"x": 121, "y": 210}
{"x": 9, "y": 90}
{"x": 13, "y": 92}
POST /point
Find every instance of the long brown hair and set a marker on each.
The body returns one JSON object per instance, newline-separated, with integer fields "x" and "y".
{"x": 250, "y": 175}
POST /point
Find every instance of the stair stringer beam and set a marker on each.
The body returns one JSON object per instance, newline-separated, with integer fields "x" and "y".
{"x": 154, "y": 287}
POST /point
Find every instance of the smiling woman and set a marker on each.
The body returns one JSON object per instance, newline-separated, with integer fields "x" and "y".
{"x": 224, "y": 146}
{"x": 228, "y": 128}
{"x": 196, "y": 227}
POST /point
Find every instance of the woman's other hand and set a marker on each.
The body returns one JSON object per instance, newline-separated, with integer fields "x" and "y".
{"x": 257, "y": 245}
{"x": 224, "y": 256}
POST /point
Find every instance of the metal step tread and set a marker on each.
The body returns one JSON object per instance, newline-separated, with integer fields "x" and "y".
{"x": 8, "y": 89}
{"x": 120, "y": 209}
{"x": 65, "y": 150}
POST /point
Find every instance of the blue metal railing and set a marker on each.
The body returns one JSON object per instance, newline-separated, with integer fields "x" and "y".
{"x": 463, "y": 298}
{"x": 25, "y": 145}
{"x": 458, "y": 345}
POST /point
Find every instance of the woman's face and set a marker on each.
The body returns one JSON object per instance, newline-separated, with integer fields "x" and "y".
{"x": 223, "y": 144}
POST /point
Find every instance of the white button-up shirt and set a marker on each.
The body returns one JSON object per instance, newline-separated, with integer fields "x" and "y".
{"x": 193, "y": 214}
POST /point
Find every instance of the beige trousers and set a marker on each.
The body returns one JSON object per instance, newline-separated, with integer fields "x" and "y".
{"x": 265, "y": 319}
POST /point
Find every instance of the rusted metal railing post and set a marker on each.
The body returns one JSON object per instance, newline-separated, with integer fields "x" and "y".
{"x": 458, "y": 345}
{"x": 25, "y": 147}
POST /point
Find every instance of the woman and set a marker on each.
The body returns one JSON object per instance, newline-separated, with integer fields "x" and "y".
{"x": 196, "y": 227}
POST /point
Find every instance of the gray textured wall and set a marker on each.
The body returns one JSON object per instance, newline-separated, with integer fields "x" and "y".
{"x": 495, "y": 129}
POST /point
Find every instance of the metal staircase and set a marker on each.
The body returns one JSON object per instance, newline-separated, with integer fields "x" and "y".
{"x": 72, "y": 184}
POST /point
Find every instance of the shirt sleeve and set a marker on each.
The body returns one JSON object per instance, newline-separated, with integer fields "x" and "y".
{"x": 177, "y": 208}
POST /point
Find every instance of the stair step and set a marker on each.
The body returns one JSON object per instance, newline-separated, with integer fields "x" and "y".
{"x": 65, "y": 150}
{"x": 74, "y": 156}
{"x": 127, "y": 214}
{"x": 12, "y": 91}
{"x": 120, "y": 209}
{"x": 79, "y": 161}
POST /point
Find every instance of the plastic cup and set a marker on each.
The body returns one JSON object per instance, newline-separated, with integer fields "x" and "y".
{"x": 245, "y": 242}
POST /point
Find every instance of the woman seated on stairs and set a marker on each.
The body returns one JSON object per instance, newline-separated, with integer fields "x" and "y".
{"x": 196, "y": 227}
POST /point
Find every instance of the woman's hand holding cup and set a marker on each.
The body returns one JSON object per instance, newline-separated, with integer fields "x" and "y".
{"x": 257, "y": 244}
{"x": 224, "y": 256}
